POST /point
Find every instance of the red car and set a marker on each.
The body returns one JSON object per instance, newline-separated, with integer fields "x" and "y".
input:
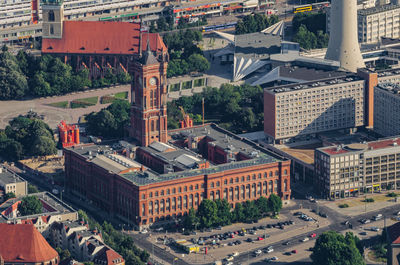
{"x": 313, "y": 235}
{"x": 260, "y": 238}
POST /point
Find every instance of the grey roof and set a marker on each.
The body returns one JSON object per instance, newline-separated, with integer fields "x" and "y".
{"x": 390, "y": 87}
{"x": 376, "y": 9}
{"x": 258, "y": 45}
{"x": 308, "y": 74}
{"x": 7, "y": 177}
{"x": 184, "y": 158}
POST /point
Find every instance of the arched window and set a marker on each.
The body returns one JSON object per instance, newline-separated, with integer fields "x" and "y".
{"x": 51, "y": 30}
{"x": 237, "y": 193}
{"x": 265, "y": 187}
{"x": 212, "y": 195}
{"x": 51, "y": 16}
{"x": 217, "y": 195}
{"x": 248, "y": 191}
{"x": 253, "y": 190}
{"x": 270, "y": 187}
{"x": 225, "y": 193}
{"x": 191, "y": 201}
{"x": 242, "y": 191}
{"x": 285, "y": 172}
{"x": 152, "y": 126}
{"x": 285, "y": 186}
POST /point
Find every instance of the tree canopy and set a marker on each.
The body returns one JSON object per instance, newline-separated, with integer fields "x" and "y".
{"x": 30, "y": 205}
{"x": 236, "y": 108}
{"x": 185, "y": 55}
{"x": 255, "y": 23}
{"x": 26, "y": 136}
{"x": 109, "y": 122}
{"x": 310, "y": 30}
{"x": 332, "y": 248}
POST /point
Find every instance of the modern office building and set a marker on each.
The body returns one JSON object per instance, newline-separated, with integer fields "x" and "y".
{"x": 354, "y": 169}
{"x": 11, "y": 182}
{"x": 387, "y": 109}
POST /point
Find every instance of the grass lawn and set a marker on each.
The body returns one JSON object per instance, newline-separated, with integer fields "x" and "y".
{"x": 91, "y": 100}
{"x": 121, "y": 95}
{"x": 61, "y": 104}
{"x": 372, "y": 256}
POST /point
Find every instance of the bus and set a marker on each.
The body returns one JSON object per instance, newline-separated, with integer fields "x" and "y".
{"x": 304, "y": 8}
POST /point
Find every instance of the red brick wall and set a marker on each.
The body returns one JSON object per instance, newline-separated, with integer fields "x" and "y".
{"x": 269, "y": 114}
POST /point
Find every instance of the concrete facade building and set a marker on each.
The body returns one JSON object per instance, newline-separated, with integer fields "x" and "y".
{"x": 354, "y": 169}
{"x": 387, "y": 109}
{"x": 11, "y": 182}
{"x": 343, "y": 43}
{"x": 377, "y": 22}
{"x": 312, "y": 107}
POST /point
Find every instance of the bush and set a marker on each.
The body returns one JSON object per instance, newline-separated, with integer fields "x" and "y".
{"x": 344, "y": 205}
{"x": 369, "y": 200}
{"x": 392, "y": 194}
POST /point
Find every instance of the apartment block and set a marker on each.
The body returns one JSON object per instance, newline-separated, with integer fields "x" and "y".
{"x": 387, "y": 109}
{"x": 308, "y": 108}
{"x": 354, "y": 169}
{"x": 377, "y": 22}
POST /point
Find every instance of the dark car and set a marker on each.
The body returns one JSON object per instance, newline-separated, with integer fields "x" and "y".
{"x": 238, "y": 242}
{"x": 269, "y": 226}
{"x": 287, "y": 253}
{"x": 297, "y": 213}
{"x": 286, "y": 243}
{"x": 323, "y": 215}
{"x": 249, "y": 240}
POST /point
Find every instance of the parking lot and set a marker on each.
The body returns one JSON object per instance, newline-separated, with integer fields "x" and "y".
{"x": 258, "y": 240}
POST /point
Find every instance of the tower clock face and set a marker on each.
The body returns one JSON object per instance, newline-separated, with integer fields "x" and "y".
{"x": 153, "y": 81}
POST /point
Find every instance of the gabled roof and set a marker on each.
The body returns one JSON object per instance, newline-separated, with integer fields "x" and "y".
{"x": 108, "y": 255}
{"x": 98, "y": 37}
{"x": 22, "y": 243}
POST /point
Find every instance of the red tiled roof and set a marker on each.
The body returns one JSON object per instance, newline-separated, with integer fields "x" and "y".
{"x": 110, "y": 256}
{"x": 98, "y": 37}
{"x": 384, "y": 143}
{"x": 22, "y": 243}
{"x": 334, "y": 151}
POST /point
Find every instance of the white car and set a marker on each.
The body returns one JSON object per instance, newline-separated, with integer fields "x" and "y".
{"x": 230, "y": 258}
{"x": 144, "y": 231}
{"x": 375, "y": 229}
{"x": 235, "y": 254}
{"x": 270, "y": 250}
{"x": 258, "y": 252}
{"x": 305, "y": 239}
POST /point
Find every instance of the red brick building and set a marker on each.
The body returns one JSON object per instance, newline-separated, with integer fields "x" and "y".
{"x": 171, "y": 171}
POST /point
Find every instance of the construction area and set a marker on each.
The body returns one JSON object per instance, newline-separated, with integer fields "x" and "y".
{"x": 50, "y": 167}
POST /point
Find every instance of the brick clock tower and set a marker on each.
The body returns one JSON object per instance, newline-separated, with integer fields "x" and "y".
{"x": 149, "y": 102}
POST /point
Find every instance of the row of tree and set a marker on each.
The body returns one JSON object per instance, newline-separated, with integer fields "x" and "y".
{"x": 118, "y": 241}
{"x": 255, "y": 23}
{"x": 111, "y": 121}
{"x": 218, "y": 213}
{"x": 26, "y": 136}
{"x": 185, "y": 55}
{"x": 25, "y": 75}
{"x": 309, "y": 30}
{"x": 236, "y": 108}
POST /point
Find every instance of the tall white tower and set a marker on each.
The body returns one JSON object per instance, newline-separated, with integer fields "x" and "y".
{"x": 343, "y": 41}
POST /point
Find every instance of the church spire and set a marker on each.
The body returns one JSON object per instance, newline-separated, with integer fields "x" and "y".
{"x": 149, "y": 57}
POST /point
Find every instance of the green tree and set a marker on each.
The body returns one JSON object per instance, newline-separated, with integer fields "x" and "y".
{"x": 42, "y": 146}
{"x": 63, "y": 253}
{"x": 198, "y": 63}
{"x": 207, "y": 213}
{"x": 30, "y": 205}
{"x": 13, "y": 83}
{"x": 223, "y": 212}
{"x": 262, "y": 205}
{"x": 238, "y": 213}
{"x": 250, "y": 211}
{"x": 306, "y": 38}
{"x": 9, "y": 195}
{"x": 274, "y": 203}
{"x": 190, "y": 221}
{"x": 332, "y": 248}
{"x": 39, "y": 85}
{"x": 32, "y": 189}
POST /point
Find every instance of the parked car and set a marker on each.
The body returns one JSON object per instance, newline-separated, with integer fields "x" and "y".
{"x": 249, "y": 240}
{"x": 305, "y": 239}
{"x": 287, "y": 253}
{"x": 323, "y": 215}
{"x": 260, "y": 238}
{"x": 375, "y": 229}
{"x": 235, "y": 254}
{"x": 258, "y": 252}
{"x": 144, "y": 231}
{"x": 363, "y": 233}
{"x": 269, "y": 250}
{"x": 286, "y": 243}
{"x": 312, "y": 235}
{"x": 365, "y": 221}
{"x": 294, "y": 251}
